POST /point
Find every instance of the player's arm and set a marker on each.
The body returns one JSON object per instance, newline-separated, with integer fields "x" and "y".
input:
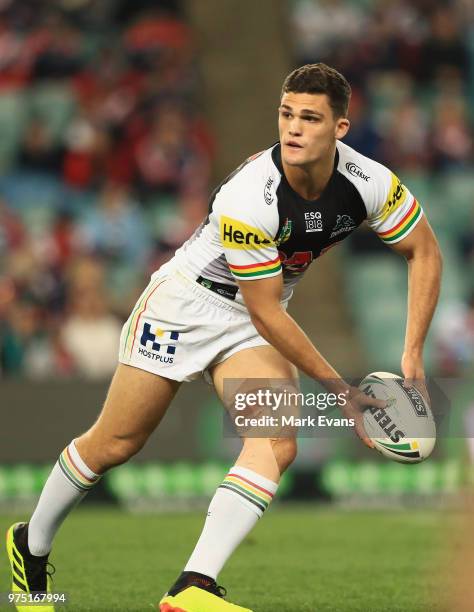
{"x": 398, "y": 219}
{"x": 247, "y": 228}
{"x": 262, "y": 298}
{"x": 421, "y": 250}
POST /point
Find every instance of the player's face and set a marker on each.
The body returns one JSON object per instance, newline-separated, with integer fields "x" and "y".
{"x": 308, "y": 128}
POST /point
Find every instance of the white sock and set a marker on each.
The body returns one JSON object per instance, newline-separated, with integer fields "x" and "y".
{"x": 236, "y": 506}
{"x": 67, "y": 484}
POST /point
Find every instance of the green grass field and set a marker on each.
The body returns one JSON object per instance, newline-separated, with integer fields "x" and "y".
{"x": 298, "y": 559}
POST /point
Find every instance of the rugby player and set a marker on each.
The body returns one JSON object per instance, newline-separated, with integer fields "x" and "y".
{"x": 219, "y": 307}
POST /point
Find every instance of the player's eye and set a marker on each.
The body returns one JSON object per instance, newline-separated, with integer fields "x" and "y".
{"x": 285, "y": 114}
{"x": 311, "y": 118}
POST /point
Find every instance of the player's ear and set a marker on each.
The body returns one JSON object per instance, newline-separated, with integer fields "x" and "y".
{"x": 342, "y": 127}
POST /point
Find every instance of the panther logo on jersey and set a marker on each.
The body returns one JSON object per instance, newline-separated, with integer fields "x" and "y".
{"x": 344, "y": 223}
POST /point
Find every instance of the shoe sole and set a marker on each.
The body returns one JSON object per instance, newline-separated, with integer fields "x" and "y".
{"x": 169, "y": 608}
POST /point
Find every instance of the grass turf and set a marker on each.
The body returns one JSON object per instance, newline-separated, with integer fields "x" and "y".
{"x": 298, "y": 559}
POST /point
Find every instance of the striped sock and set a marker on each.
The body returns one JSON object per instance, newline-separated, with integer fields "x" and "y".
{"x": 75, "y": 470}
{"x": 237, "y": 505}
{"x": 67, "y": 484}
{"x": 256, "y": 492}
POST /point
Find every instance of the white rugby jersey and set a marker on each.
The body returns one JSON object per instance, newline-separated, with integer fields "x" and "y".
{"x": 258, "y": 226}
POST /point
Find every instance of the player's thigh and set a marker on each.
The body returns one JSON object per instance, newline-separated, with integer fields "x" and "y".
{"x": 136, "y": 402}
{"x": 262, "y": 364}
{"x": 260, "y": 368}
{"x": 269, "y": 450}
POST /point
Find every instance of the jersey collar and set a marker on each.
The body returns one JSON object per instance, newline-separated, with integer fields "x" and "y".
{"x": 276, "y": 158}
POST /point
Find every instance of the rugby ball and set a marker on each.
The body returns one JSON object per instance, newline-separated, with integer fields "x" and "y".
{"x": 405, "y": 430}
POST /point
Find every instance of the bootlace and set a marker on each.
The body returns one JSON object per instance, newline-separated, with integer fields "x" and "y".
{"x": 220, "y": 591}
{"x": 38, "y": 575}
{"x": 50, "y": 569}
{"x": 213, "y": 587}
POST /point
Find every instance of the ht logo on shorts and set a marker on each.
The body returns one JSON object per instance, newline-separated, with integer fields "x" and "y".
{"x": 148, "y": 341}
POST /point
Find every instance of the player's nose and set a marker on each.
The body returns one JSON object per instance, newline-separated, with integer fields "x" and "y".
{"x": 295, "y": 131}
{"x": 295, "y": 126}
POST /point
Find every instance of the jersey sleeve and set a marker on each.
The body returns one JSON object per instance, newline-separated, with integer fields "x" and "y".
{"x": 247, "y": 228}
{"x": 394, "y": 211}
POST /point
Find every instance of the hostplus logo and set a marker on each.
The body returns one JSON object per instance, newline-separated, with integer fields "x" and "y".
{"x": 154, "y": 350}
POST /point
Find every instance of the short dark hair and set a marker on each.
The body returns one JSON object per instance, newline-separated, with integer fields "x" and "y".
{"x": 320, "y": 79}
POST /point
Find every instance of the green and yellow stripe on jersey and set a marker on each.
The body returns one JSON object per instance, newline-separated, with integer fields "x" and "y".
{"x": 247, "y": 489}
{"x": 265, "y": 268}
{"x": 402, "y": 227}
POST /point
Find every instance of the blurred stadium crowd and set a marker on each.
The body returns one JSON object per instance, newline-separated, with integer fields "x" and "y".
{"x": 104, "y": 171}
{"x": 411, "y": 66}
{"x": 105, "y": 160}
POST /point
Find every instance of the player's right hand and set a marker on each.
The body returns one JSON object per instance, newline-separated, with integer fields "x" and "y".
{"x": 354, "y": 408}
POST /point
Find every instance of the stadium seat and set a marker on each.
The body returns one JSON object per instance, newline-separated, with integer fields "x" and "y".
{"x": 374, "y": 276}
{"x": 459, "y": 199}
{"x": 54, "y": 104}
{"x": 12, "y": 123}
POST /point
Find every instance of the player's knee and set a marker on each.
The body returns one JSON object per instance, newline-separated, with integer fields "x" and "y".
{"x": 120, "y": 450}
{"x": 285, "y": 451}
{"x": 102, "y": 453}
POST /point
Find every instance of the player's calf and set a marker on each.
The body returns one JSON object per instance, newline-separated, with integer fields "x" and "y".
{"x": 70, "y": 480}
{"x": 285, "y": 451}
{"x": 269, "y": 457}
{"x": 102, "y": 453}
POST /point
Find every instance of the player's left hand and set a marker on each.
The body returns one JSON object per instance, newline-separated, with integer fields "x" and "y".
{"x": 413, "y": 371}
{"x": 354, "y": 408}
